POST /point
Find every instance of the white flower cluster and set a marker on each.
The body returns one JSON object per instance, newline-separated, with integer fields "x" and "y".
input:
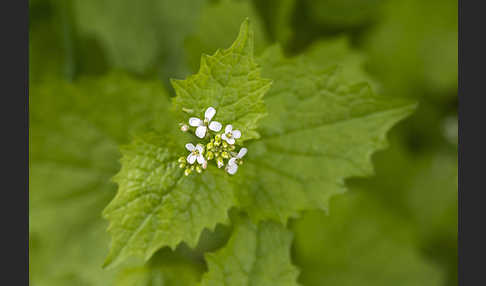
{"x": 218, "y": 146}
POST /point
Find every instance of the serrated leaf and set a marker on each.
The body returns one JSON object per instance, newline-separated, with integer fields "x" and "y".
{"x": 229, "y": 81}
{"x": 75, "y": 130}
{"x": 255, "y": 255}
{"x": 157, "y": 206}
{"x": 320, "y": 131}
{"x": 318, "y": 119}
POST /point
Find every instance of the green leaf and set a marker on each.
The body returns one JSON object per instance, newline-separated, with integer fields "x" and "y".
{"x": 338, "y": 51}
{"x": 318, "y": 118}
{"x": 320, "y": 131}
{"x": 168, "y": 268}
{"x": 216, "y": 28}
{"x": 255, "y": 255}
{"x": 230, "y": 82}
{"x": 157, "y": 206}
{"x": 362, "y": 242}
{"x": 422, "y": 188}
{"x": 75, "y": 130}
{"x": 177, "y": 275}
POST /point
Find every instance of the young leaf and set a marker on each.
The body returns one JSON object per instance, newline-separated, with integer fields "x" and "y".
{"x": 230, "y": 82}
{"x": 156, "y": 205}
{"x": 320, "y": 131}
{"x": 255, "y": 255}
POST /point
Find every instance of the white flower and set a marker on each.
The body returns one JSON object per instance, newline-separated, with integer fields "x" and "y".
{"x": 232, "y": 166}
{"x": 196, "y": 154}
{"x": 202, "y": 125}
{"x": 184, "y": 128}
{"x": 230, "y": 135}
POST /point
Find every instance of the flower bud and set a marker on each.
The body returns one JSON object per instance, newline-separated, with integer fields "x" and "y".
{"x": 217, "y": 140}
{"x": 210, "y": 145}
{"x": 209, "y": 155}
{"x": 187, "y": 171}
{"x": 184, "y": 128}
{"x": 220, "y": 162}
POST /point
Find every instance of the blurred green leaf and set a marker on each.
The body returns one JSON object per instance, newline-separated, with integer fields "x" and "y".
{"x": 141, "y": 37}
{"x": 166, "y": 268}
{"x": 277, "y": 15}
{"x": 414, "y": 48}
{"x": 360, "y": 243}
{"x": 75, "y": 130}
{"x": 343, "y": 14}
{"x": 423, "y": 189}
{"x": 255, "y": 255}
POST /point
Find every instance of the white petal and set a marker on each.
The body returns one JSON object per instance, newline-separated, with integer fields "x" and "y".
{"x": 190, "y": 147}
{"x": 209, "y": 114}
{"x": 241, "y": 153}
{"x": 232, "y": 161}
{"x": 223, "y": 136}
{"x": 215, "y": 126}
{"x": 201, "y": 131}
{"x": 236, "y": 134}
{"x": 200, "y": 148}
{"x": 228, "y": 128}
{"x": 230, "y": 141}
{"x": 231, "y": 169}
{"x": 191, "y": 158}
{"x": 200, "y": 159}
{"x": 194, "y": 121}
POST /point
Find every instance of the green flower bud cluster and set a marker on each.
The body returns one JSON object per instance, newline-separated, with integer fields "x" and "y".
{"x": 219, "y": 150}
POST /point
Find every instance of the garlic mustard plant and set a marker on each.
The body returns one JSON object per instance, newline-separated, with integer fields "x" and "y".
{"x": 220, "y": 146}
